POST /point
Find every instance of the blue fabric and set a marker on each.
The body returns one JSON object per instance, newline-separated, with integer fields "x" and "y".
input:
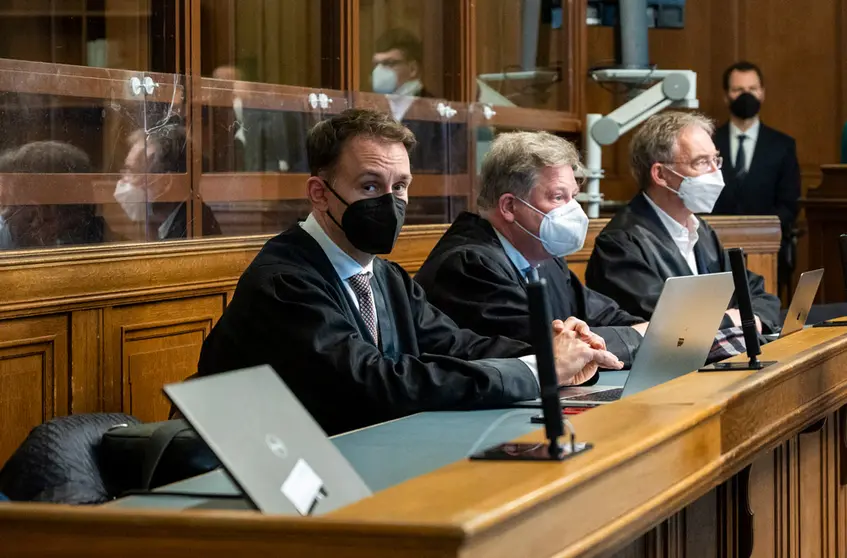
{"x": 3, "y": 497}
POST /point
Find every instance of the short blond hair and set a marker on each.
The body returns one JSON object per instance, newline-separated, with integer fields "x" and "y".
{"x": 656, "y": 141}
{"x": 515, "y": 160}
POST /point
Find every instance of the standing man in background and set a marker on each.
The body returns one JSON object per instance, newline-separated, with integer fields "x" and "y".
{"x": 763, "y": 175}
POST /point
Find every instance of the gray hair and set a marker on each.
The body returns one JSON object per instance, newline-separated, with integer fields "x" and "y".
{"x": 515, "y": 160}
{"x": 657, "y": 139}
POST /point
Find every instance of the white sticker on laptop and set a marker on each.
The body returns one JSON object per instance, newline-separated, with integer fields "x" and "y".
{"x": 302, "y": 487}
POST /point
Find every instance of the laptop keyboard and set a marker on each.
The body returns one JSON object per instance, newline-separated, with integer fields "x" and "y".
{"x": 607, "y": 395}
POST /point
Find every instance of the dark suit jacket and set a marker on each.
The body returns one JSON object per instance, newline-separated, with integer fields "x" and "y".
{"x": 772, "y": 185}
{"x": 292, "y": 311}
{"x": 469, "y": 277}
{"x": 634, "y": 255}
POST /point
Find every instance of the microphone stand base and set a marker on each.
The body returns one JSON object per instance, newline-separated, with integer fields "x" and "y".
{"x": 736, "y": 366}
{"x": 529, "y": 452}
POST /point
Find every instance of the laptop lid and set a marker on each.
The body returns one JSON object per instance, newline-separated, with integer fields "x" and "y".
{"x": 682, "y": 329}
{"x": 801, "y": 303}
{"x": 269, "y": 444}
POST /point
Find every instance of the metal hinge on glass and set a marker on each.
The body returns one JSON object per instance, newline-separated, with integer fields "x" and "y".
{"x": 138, "y": 84}
{"x": 488, "y": 112}
{"x": 319, "y": 99}
{"x": 445, "y": 110}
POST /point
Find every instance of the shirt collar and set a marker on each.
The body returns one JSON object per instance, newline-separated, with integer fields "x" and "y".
{"x": 751, "y": 133}
{"x": 401, "y": 100}
{"x": 514, "y": 255}
{"x": 345, "y": 266}
{"x": 675, "y": 229}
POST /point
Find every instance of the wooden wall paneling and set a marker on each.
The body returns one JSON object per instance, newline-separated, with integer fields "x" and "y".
{"x": 149, "y": 345}
{"x": 783, "y": 37}
{"x": 34, "y": 379}
{"x": 814, "y": 487}
{"x": 86, "y": 360}
{"x": 841, "y": 495}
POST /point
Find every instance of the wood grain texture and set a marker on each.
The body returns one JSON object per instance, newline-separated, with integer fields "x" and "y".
{"x": 39, "y": 281}
{"x": 139, "y": 312}
{"x": 825, "y": 208}
{"x": 657, "y": 452}
{"x": 150, "y": 345}
{"x": 34, "y": 382}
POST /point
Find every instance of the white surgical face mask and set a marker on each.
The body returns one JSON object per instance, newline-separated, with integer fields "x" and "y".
{"x": 383, "y": 79}
{"x": 699, "y": 193}
{"x": 563, "y": 229}
{"x": 133, "y": 200}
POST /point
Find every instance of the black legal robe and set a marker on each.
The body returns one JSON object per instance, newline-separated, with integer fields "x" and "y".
{"x": 469, "y": 277}
{"x": 634, "y": 255}
{"x": 292, "y": 311}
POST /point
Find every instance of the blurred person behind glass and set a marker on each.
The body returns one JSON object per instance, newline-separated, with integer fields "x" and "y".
{"x": 398, "y": 74}
{"x": 262, "y": 140}
{"x": 162, "y": 150}
{"x": 26, "y": 224}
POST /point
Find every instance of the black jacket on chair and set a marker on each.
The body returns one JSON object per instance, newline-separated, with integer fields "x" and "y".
{"x": 60, "y": 461}
{"x": 771, "y": 186}
{"x": 634, "y": 255}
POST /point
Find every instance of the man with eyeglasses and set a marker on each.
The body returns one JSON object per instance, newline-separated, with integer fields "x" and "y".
{"x": 658, "y": 234}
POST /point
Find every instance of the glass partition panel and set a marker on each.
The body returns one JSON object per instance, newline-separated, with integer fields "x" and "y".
{"x": 402, "y": 48}
{"x": 269, "y": 41}
{"x": 121, "y": 34}
{"x": 78, "y": 152}
{"x": 523, "y": 54}
{"x": 441, "y": 185}
{"x": 254, "y": 143}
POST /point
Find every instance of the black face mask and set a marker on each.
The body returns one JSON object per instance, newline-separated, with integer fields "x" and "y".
{"x": 372, "y": 224}
{"x": 745, "y": 106}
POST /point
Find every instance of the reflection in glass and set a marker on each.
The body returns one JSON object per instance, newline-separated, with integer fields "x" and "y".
{"x": 126, "y": 34}
{"x": 148, "y": 192}
{"x": 402, "y": 48}
{"x": 268, "y": 41}
{"x": 522, "y": 53}
{"x": 25, "y": 223}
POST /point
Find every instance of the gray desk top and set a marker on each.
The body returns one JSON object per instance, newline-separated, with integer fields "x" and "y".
{"x": 384, "y": 455}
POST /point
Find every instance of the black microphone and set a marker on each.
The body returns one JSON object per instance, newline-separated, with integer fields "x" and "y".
{"x": 745, "y": 305}
{"x": 542, "y": 342}
{"x": 541, "y": 331}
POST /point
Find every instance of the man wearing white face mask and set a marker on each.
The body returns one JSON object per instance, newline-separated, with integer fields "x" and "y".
{"x": 658, "y": 234}
{"x": 529, "y": 221}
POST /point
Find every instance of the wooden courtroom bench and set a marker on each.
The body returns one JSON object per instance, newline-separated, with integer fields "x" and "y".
{"x": 103, "y": 328}
{"x": 731, "y": 464}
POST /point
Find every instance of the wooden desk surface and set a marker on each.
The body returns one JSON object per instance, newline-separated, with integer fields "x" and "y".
{"x": 654, "y": 453}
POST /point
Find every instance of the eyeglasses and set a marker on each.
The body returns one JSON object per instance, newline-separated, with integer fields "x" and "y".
{"x": 703, "y": 164}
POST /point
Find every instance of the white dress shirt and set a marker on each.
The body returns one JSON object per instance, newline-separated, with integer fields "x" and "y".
{"x": 345, "y": 266}
{"x": 685, "y": 237}
{"x": 749, "y": 147}
{"x": 403, "y": 98}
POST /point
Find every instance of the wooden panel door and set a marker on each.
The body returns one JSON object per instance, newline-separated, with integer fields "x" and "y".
{"x": 150, "y": 345}
{"x": 33, "y": 376}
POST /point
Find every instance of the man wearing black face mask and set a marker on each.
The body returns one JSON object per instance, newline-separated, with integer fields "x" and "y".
{"x": 351, "y": 334}
{"x": 761, "y": 172}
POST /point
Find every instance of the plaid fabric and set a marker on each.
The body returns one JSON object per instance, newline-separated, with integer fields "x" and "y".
{"x": 728, "y": 342}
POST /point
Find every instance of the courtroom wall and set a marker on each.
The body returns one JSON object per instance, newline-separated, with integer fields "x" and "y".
{"x": 800, "y": 46}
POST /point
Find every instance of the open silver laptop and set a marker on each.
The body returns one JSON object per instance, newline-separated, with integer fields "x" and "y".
{"x": 268, "y": 443}
{"x": 678, "y": 339}
{"x": 801, "y": 302}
